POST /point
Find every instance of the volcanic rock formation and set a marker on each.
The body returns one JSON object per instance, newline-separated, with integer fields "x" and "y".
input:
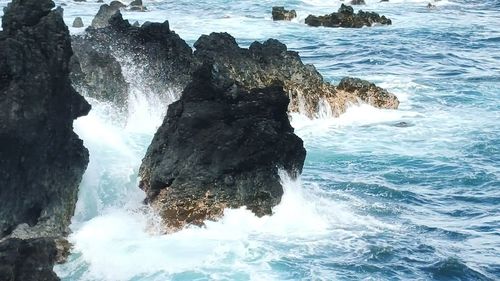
{"x": 345, "y": 17}
{"x": 264, "y": 64}
{"x": 161, "y": 57}
{"x": 105, "y": 12}
{"x": 41, "y": 159}
{"x": 156, "y": 55}
{"x": 279, "y": 13}
{"x": 98, "y": 74}
{"x": 220, "y": 146}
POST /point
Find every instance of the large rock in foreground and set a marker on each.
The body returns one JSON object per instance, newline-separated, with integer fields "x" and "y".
{"x": 345, "y": 17}
{"x": 264, "y": 64}
{"x": 220, "y": 146}
{"x": 41, "y": 159}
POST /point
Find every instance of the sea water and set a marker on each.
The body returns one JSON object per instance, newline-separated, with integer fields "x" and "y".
{"x": 407, "y": 194}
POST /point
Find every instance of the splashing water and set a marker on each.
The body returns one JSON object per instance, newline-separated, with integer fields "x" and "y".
{"x": 407, "y": 194}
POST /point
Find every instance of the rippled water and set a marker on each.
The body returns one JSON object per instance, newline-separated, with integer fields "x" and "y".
{"x": 377, "y": 200}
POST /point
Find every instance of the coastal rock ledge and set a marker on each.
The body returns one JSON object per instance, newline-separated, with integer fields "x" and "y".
{"x": 41, "y": 159}
{"x": 170, "y": 62}
{"x": 220, "y": 146}
{"x": 345, "y": 17}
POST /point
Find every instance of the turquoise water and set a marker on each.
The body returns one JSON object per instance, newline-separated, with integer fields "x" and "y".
{"x": 376, "y": 201}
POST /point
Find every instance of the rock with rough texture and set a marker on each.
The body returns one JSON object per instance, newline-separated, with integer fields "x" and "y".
{"x": 220, "y": 146}
{"x": 368, "y": 92}
{"x": 265, "y": 64}
{"x": 105, "y": 13}
{"x": 78, "y": 22}
{"x": 358, "y": 2}
{"x": 136, "y": 5}
{"x": 279, "y": 13}
{"x": 41, "y": 159}
{"x": 156, "y": 55}
{"x": 98, "y": 74}
{"x": 28, "y": 260}
{"x": 345, "y": 17}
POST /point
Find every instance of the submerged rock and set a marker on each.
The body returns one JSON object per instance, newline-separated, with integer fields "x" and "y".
{"x": 220, "y": 146}
{"x": 345, "y": 17}
{"x": 41, "y": 159}
{"x": 265, "y": 64}
{"x": 279, "y": 13}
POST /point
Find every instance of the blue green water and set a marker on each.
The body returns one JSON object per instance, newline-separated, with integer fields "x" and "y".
{"x": 376, "y": 201}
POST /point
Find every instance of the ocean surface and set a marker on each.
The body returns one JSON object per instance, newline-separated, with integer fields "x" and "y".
{"x": 378, "y": 199}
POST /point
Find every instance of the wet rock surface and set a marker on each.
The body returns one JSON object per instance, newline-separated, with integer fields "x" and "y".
{"x": 220, "y": 146}
{"x": 78, "y": 22}
{"x": 279, "y": 13}
{"x": 97, "y": 74}
{"x": 264, "y": 64}
{"x": 166, "y": 62}
{"x": 368, "y": 92}
{"x": 156, "y": 55}
{"x": 28, "y": 260}
{"x": 358, "y": 2}
{"x": 345, "y": 17}
{"x": 105, "y": 13}
{"x": 42, "y": 160}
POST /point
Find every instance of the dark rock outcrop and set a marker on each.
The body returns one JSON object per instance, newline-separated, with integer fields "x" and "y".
{"x": 220, "y": 146}
{"x": 279, "y": 13}
{"x": 28, "y": 260}
{"x": 105, "y": 13}
{"x": 345, "y": 17}
{"x": 265, "y": 64}
{"x": 358, "y": 2}
{"x": 98, "y": 74}
{"x": 41, "y": 159}
{"x": 78, "y": 22}
{"x": 137, "y": 5}
{"x": 155, "y": 54}
{"x": 368, "y": 92}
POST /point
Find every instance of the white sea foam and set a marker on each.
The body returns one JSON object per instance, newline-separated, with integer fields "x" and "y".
{"x": 118, "y": 244}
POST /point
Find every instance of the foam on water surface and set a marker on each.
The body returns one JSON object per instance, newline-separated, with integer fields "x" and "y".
{"x": 385, "y": 194}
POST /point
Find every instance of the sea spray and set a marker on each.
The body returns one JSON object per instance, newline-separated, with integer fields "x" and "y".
{"x": 119, "y": 245}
